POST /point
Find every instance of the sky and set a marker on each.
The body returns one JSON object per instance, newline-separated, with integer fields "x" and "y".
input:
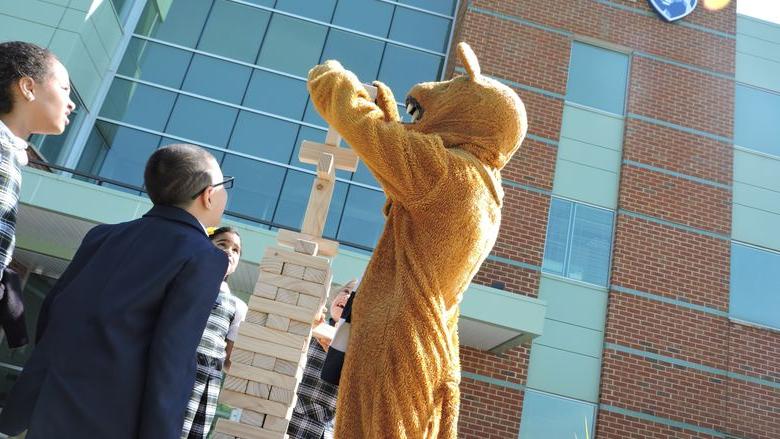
{"x": 767, "y": 10}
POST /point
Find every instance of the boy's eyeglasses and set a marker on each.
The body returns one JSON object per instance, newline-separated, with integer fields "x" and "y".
{"x": 228, "y": 183}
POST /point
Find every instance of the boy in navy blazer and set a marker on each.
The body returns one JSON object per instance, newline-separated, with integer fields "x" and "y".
{"x": 116, "y": 338}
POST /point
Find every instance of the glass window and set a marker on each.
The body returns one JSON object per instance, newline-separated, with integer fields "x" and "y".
{"x": 756, "y": 113}
{"x": 363, "y": 175}
{"x": 234, "y": 31}
{"x": 579, "y": 242}
{"x": 264, "y": 136}
{"x": 557, "y": 236}
{"x": 180, "y": 23}
{"x": 155, "y": 62}
{"x": 256, "y": 187}
{"x": 321, "y": 10}
{"x": 313, "y": 116}
{"x": 755, "y": 286}
{"x": 420, "y": 29}
{"x": 362, "y": 222}
{"x": 549, "y": 416}
{"x": 138, "y": 104}
{"x": 217, "y": 79}
{"x": 597, "y": 77}
{"x": 276, "y": 94}
{"x": 445, "y": 7}
{"x": 120, "y": 153}
{"x": 402, "y": 68}
{"x": 353, "y": 14}
{"x": 295, "y": 197}
{"x": 292, "y": 46}
{"x": 590, "y": 245}
{"x": 359, "y": 54}
{"x": 201, "y": 121}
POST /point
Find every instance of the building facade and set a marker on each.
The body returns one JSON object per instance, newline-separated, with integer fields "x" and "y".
{"x": 630, "y": 293}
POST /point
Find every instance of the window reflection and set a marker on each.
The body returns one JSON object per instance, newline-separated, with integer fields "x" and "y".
{"x": 217, "y": 79}
{"x": 138, "y": 104}
{"x": 597, "y": 77}
{"x": 550, "y": 416}
{"x": 201, "y": 121}
{"x": 755, "y": 287}
{"x": 234, "y": 31}
{"x": 292, "y": 46}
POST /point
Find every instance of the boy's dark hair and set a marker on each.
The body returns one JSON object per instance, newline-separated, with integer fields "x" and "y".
{"x": 18, "y": 60}
{"x": 222, "y": 231}
{"x": 175, "y": 173}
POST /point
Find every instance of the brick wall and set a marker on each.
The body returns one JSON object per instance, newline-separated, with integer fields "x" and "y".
{"x": 679, "y": 74}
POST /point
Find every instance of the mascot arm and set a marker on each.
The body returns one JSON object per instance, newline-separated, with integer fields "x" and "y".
{"x": 409, "y": 165}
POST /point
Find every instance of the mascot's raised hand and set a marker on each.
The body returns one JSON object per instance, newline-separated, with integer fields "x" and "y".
{"x": 386, "y": 102}
{"x": 441, "y": 175}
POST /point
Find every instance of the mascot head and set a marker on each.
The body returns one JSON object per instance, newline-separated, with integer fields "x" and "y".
{"x": 472, "y": 112}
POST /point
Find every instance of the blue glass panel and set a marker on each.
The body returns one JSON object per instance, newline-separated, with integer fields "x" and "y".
{"x": 234, "y": 31}
{"x": 597, "y": 77}
{"x": 756, "y": 116}
{"x": 313, "y": 116}
{"x": 128, "y": 150}
{"x": 420, "y": 29}
{"x": 363, "y": 221}
{"x": 363, "y": 175}
{"x": 590, "y": 245}
{"x": 276, "y": 94}
{"x": 264, "y": 136}
{"x": 446, "y": 7}
{"x": 256, "y": 187}
{"x": 201, "y": 121}
{"x": 321, "y": 10}
{"x": 217, "y": 79}
{"x": 755, "y": 286}
{"x": 182, "y": 24}
{"x": 402, "y": 68}
{"x": 295, "y": 198}
{"x": 292, "y": 46}
{"x": 557, "y": 239}
{"x": 155, "y": 62}
{"x": 549, "y": 416}
{"x": 336, "y": 209}
{"x": 137, "y": 104}
{"x": 362, "y": 55}
{"x": 369, "y": 16}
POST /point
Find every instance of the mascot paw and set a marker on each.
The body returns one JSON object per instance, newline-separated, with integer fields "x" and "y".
{"x": 386, "y": 102}
{"x": 327, "y": 66}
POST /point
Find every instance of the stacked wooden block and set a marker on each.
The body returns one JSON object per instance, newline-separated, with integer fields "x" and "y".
{"x": 269, "y": 354}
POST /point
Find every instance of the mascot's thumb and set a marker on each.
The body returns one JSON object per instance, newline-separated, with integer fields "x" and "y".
{"x": 386, "y": 102}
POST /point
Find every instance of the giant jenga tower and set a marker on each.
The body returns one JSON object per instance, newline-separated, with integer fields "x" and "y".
{"x": 295, "y": 276}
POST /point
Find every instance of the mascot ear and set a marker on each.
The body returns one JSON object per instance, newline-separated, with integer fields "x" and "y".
{"x": 469, "y": 60}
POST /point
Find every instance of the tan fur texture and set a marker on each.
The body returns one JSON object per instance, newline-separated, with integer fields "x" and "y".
{"x": 442, "y": 178}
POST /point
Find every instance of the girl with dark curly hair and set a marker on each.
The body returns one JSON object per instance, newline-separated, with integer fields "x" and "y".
{"x": 34, "y": 99}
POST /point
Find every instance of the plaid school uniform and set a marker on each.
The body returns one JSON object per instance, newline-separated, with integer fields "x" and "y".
{"x": 315, "y": 410}
{"x": 11, "y": 148}
{"x": 211, "y": 355}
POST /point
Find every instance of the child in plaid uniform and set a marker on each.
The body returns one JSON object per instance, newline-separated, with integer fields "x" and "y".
{"x": 213, "y": 354}
{"x": 34, "y": 99}
{"x": 315, "y": 409}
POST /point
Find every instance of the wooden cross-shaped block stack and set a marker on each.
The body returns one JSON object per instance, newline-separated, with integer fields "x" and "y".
{"x": 295, "y": 276}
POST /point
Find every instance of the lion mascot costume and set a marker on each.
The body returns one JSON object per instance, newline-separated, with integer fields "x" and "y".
{"x": 441, "y": 175}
